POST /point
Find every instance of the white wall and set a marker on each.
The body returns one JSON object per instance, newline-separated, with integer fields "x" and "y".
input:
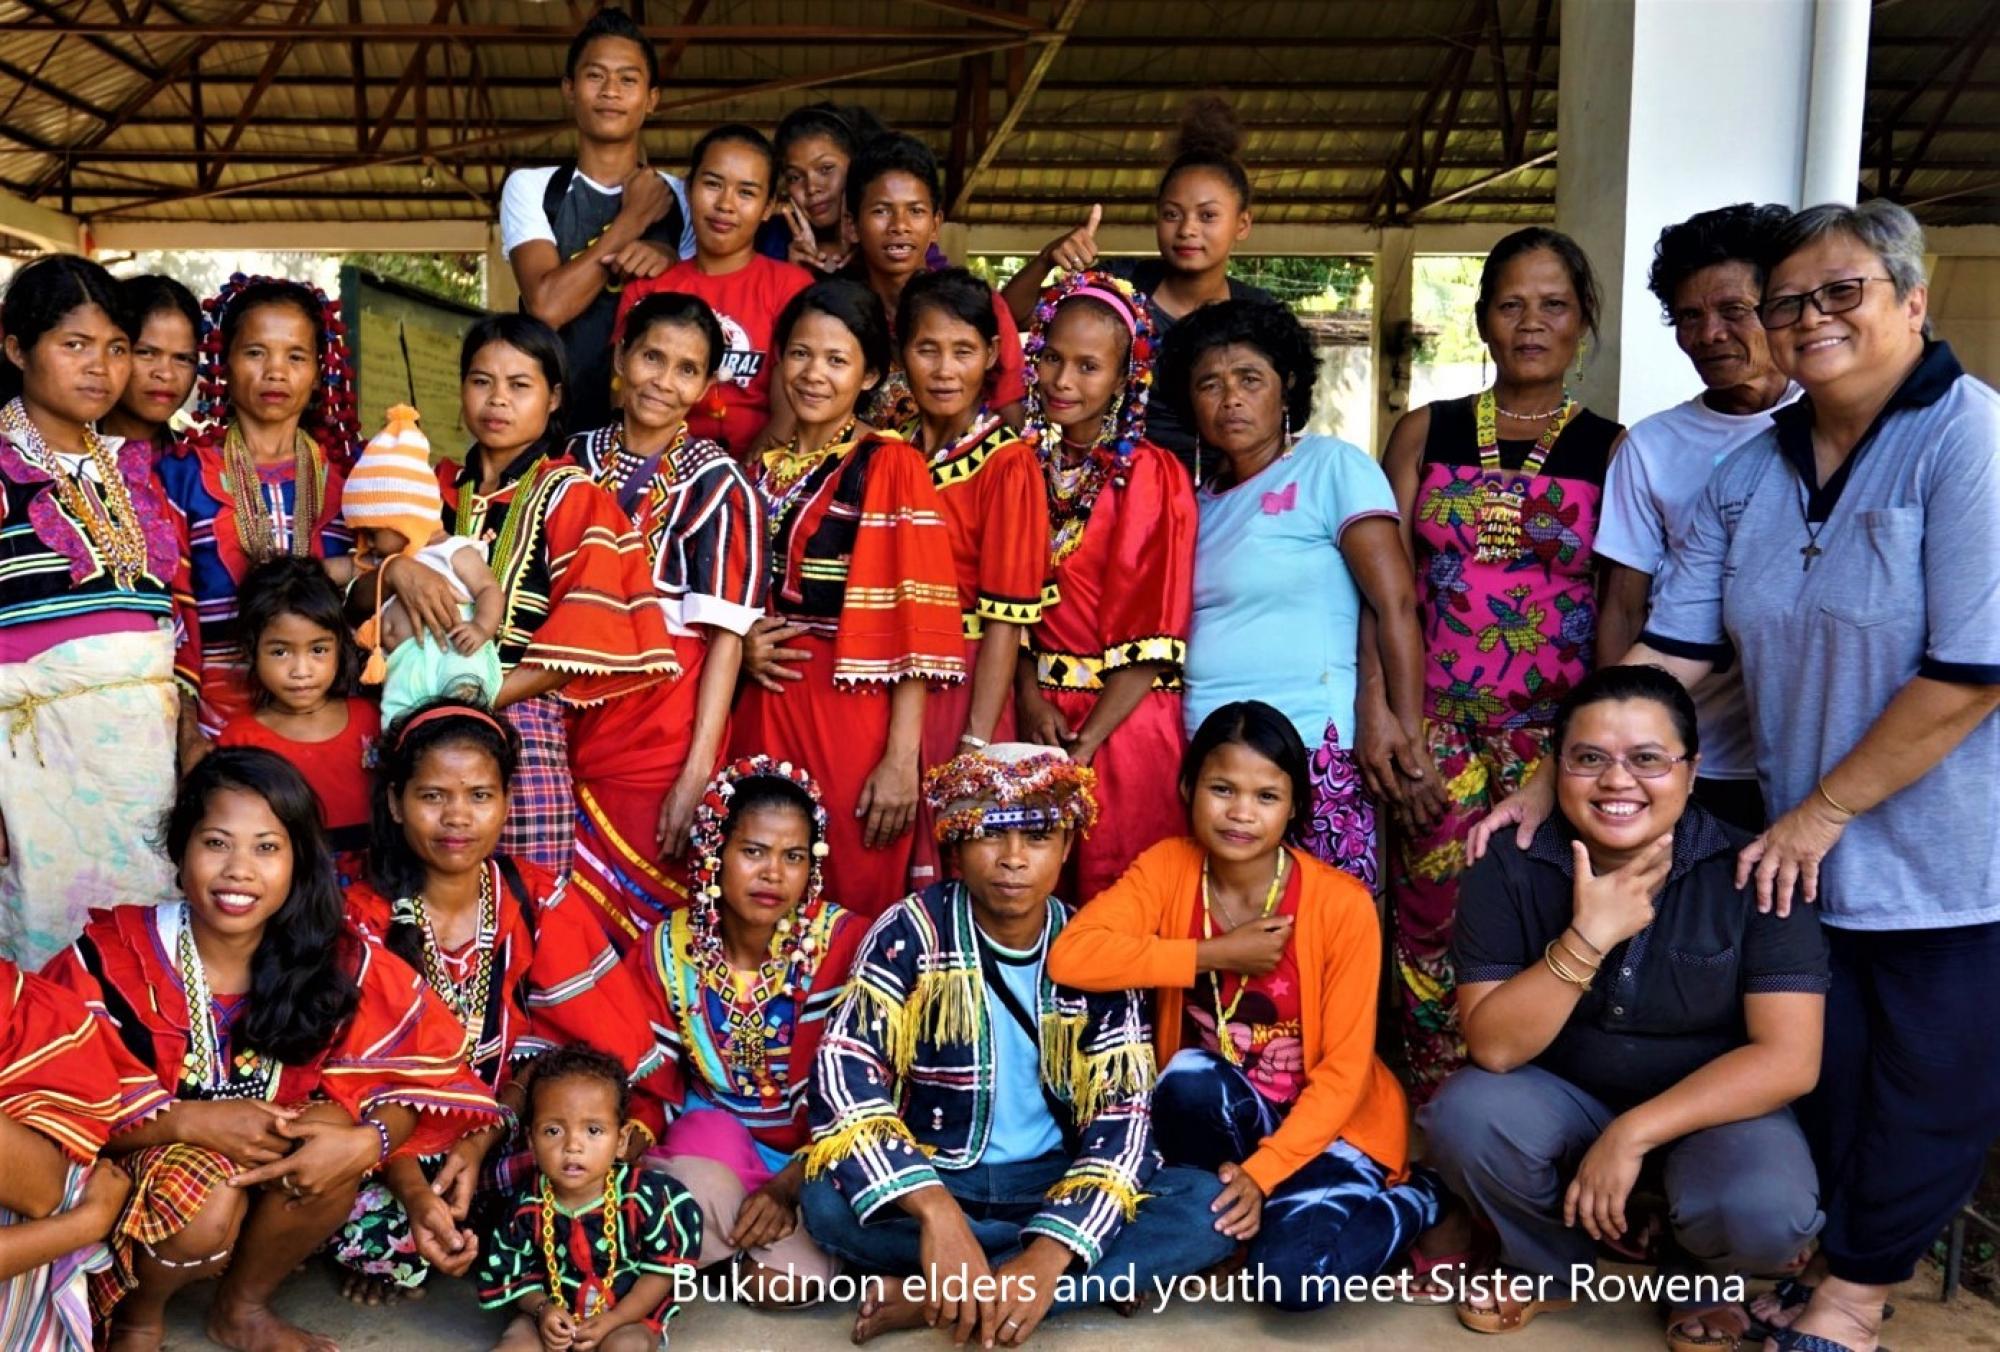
{"x": 1666, "y": 108}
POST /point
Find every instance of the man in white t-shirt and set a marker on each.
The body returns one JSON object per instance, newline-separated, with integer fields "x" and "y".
{"x": 575, "y": 233}
{"x": 1706, "y": 275}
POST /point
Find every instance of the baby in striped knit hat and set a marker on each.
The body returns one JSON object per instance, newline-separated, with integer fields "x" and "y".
{"x": 393, "y": 505}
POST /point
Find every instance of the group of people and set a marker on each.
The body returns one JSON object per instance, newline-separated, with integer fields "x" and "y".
{"x": 857, "y": 772}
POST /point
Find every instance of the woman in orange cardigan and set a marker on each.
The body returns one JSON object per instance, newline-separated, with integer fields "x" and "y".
{"x": 1266, "y": 964}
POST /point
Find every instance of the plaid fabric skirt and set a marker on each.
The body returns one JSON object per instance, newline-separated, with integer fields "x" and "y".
{"x": 170, "y": 1186}
{"x": 541, "y": 812}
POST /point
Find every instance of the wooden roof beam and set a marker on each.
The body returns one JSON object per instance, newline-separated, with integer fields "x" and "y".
{"x": 1973, "y": 52}
{"x": 272, "y": 60}
{"x": 1064, "y": 25}
{"x": 978, "y": 13}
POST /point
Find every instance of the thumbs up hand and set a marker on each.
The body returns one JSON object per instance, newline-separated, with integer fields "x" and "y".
{"x": 1078, "y": 249}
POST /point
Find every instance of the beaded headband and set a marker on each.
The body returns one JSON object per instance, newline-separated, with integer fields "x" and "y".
{"x": 330, "y": 417}
{"x": 706, "y": 833}
{"x": 1129, "y": 304}
{"x": 977, "y": 793}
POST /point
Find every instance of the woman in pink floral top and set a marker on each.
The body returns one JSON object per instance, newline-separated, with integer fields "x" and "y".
{"x": 1499, "y": 497}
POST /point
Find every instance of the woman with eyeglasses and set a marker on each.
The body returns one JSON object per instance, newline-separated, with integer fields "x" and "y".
{"x": 1847, "y": 557}
{"x": 1631, "y": 1015}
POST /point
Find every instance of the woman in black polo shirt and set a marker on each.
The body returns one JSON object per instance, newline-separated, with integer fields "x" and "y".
{"x": 1627, "y": 1006}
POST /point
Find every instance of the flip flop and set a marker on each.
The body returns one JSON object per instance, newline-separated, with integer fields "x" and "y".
{"x": 1791, "y": 1340}
{"x": 1794, "y": 1294}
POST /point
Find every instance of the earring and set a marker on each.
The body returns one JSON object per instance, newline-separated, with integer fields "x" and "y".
{"x": 1109, "y": 434}
{"x": 1286, "y": 443}
{"x": 1197, "y": 460}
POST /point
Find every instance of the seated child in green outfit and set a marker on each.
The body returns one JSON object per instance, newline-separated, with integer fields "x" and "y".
{"x": 393, "y": 504}
{"x": 586, "y": 1251}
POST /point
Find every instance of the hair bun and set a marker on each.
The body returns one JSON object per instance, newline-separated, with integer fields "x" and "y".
{"x": 1209, "y": 128}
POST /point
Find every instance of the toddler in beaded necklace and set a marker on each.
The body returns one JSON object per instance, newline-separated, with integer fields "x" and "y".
{"x": 587, "y": 1249}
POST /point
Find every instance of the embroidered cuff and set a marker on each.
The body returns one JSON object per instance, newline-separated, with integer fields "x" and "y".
{"x": 1159, "y": 648}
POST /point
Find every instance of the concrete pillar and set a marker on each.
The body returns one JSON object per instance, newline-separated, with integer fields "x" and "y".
{"x": 1669, "y": 107}
{"x": 502, "y": 293}
{"x": 40, "y": 226}
{"x": 1394, "y": 278}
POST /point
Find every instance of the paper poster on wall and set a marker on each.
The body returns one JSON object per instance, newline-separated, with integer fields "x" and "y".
{"x": 406, "y": 345}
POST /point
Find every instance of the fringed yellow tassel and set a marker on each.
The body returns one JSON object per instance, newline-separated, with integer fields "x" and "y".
{"x": 1101, "y": 1080}
{"x": 945, "y": 1006}
{"x": 1062, "y": 1041}
{"x": 1081, "y": 1181}
{"x": 898, "y": 1033}
{"x": 831, "y": 1149}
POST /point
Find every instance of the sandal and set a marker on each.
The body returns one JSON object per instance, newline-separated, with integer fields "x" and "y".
{"x": 1680, "y": 1316}
{"x": 1791, "y": 1340}
{"x": 1436, "y": 1289}
{"x": 1794, "y": 1294}
{"x": 1500, "y": 1320}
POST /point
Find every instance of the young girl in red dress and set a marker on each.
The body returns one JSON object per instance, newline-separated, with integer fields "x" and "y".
{"x": 1101, "y": 674}
{"x": 301, "y": 1056}
{"x": 302, "y": 668}
{"x": 641, "y": 762}
{"x": 263, "y": 476}
{"x": 521, "y": 964}
{"x": 861, "y": 583}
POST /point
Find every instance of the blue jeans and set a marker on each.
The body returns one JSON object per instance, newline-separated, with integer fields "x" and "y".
{"x": 1173, "y": 1235}
{"x": 1337, "y": 1217}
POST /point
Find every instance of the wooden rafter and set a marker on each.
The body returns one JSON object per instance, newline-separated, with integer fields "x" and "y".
{"x": 272, "y": 60}
{"x": 170, "y": 72}
{"x": 412, "y": 73}
{"x": 1394, "y": 187}
{"x": 251, "y": 187}
{"x": 98, "y": 44}
{"x": 1523, "y": 120}
{"x": 1065, "y": 23}
{"x": 1974, "y": 51}
{"x": 670, "y": 60}
{"x": 978, "y": 13}
{"x": 1496, "y": 34}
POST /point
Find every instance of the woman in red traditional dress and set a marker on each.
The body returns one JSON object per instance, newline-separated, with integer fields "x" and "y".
{"x": 1101, "y": 674}
{"x": 642, "y": 762}
{"x": 861, "y": 583}
{"x": 994, "y": 507}
{"x": 581, "y": 623}
{"x": 66, "y": 1084}
{"x": 522, "y": 965}
{"x": 301, "y": 1056}
{"x": 262, "y": 478}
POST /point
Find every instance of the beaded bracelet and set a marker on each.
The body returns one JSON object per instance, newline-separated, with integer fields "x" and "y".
{"x": 381, "y": 1130}
{"x": 976, "y": 743}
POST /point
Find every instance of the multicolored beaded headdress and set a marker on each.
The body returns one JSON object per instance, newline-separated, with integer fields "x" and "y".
{"x": 1129, "y": 304}
{"x": 1010, "y": 786}
{"x": 707, "y": 832}
{"x": 330, "y": 418}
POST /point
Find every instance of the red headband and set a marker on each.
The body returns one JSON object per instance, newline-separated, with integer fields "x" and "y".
{"x": 449, "y": 711}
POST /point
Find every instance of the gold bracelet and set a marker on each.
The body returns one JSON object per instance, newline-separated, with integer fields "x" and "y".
{"x": 1580, "y": 960}
{"x": 1582, "y": 983}
{"x": 1843, "y": 811}
{"x": 1572, "y": 929}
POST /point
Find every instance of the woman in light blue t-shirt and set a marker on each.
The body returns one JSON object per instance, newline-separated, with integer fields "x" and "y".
{"x": 1298, "y": 542}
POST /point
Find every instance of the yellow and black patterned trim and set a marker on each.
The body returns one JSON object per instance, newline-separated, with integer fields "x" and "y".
{"x": 1158, "y": 648}
{"x": 1074, "y": 671}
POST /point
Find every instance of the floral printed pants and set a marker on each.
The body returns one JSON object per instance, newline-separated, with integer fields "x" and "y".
{"x": 1480, "y": 767}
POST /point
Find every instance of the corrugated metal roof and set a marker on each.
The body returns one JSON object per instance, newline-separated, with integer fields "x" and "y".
{"x": 103, "y": 120}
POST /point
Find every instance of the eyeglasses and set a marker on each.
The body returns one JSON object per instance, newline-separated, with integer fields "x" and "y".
{"x": 1590, "y": 763}
{"x": 1832, "y": 299}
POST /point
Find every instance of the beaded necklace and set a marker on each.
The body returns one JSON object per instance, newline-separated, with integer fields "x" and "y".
{"x": 588, "y": 1303}
{"x": 788, "y": 471}
{"x": 746, "y": 1029}
{"x": 1073, "y": 491}
{"x": 109, "y": 520}
{"x": 471, "y": 505}
{"x": 1224, "y": 1013}
{"x": 204, "y": 1071}
{"x": 256, "y": 529}
{"x": 619, "y": 469}
{"x": 466, "y": 999}
{"x": 1499, "y": 527}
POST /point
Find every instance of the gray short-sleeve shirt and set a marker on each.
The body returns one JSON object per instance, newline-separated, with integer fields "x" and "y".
{"x": 1908, "y": 584}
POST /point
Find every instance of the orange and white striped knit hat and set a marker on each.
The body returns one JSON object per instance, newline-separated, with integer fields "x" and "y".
{"x": 392, "y": 486}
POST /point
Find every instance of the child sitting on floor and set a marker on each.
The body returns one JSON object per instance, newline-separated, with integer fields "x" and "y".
{"x": 393, "y": 505}
{"x": 588, "y": 1248}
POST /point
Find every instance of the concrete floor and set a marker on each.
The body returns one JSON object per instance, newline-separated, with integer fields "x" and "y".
{"x": 448, "y": 1319}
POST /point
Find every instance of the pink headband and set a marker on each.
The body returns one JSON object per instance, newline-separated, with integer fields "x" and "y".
{"x": 449, "y": 711}
{"x": 1117, "y": 303}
